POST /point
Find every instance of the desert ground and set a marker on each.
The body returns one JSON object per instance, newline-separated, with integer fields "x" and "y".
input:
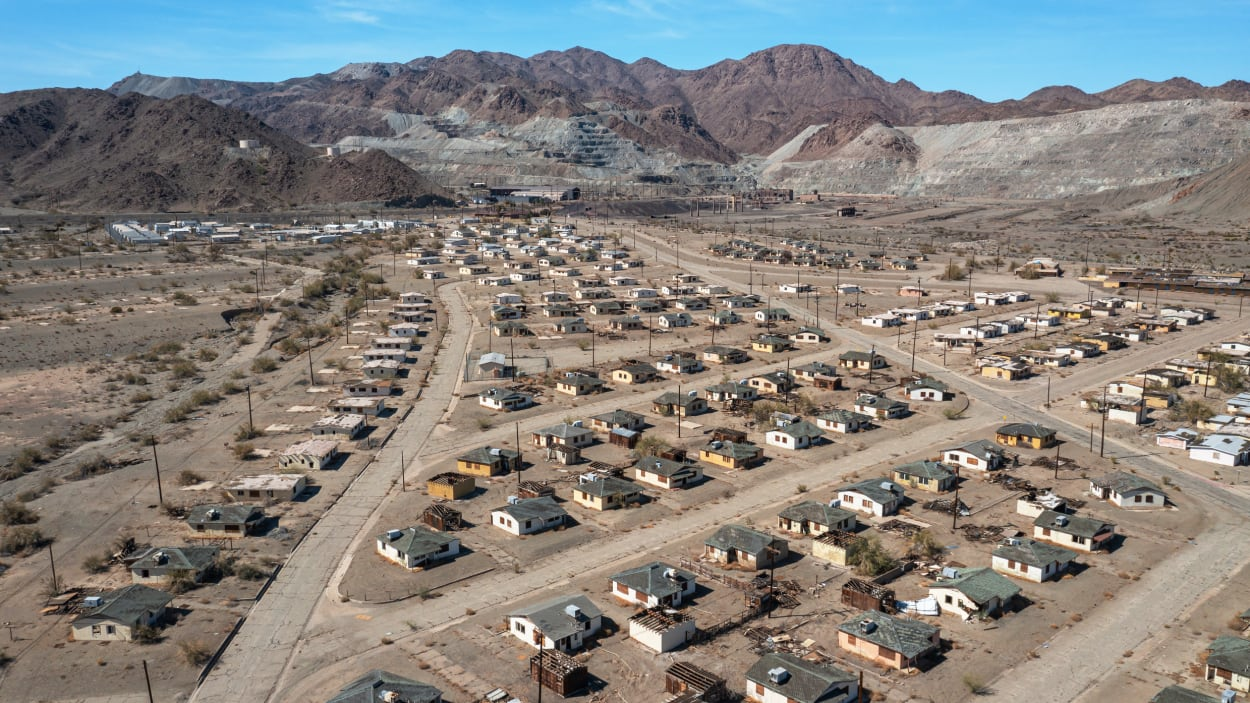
{"x": 134, "y": 355}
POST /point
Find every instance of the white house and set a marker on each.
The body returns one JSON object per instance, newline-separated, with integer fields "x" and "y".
{"x": 661, "y": 631}
{"x": 794, "y": 435}
{"x": 974, "y": 592}
{"x": 527, "y": 516}
{"x": 1031, "y": 560}
{"x": 561, "y": 623}
{"x": 504, "y": 399}
{"x": 875, "y": 496}
{"x": 843, "y": 421}
{"x": 1128, "y": 491}
{"x": 416, "y": 547}
{"x": 311, "y": 454}
{"x": 653, "y": 585}
{"x": 785, "y": 678}
{"x": 1222, "y": 449}
{"x": 979, "y": 455}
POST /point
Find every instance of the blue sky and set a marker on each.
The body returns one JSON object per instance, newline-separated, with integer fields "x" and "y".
{"x": 994, "y": 50}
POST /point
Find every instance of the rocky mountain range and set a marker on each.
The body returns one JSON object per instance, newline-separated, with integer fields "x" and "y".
{"x": 85, "y": 150}
{"x": 794, "y": 115}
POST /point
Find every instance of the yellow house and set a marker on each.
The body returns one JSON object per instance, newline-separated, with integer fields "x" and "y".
{"x": 1005, "y": 372}
{"x": 770, "y": 344}
{"x": 488, "y": 461}
{"x": 450, "y": 486}
{"x": 731, "y": 455}
{"x": 1068, "y": 313}
{"x": 1025, "y": 434}
{"x": 606, "y": 493}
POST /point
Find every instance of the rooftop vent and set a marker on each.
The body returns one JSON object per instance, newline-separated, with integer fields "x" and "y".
{"x": 867, "y": 627}
{"x": 1061, "y": 520}
{"x": 393, "y": 535}
{"x": 778, "y": 675}
{"x": 572, "y": 611}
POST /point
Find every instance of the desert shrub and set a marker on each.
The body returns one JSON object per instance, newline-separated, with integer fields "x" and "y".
{"x": 180, "y": 581}
{"x": 95, "y": 564}
{"x": 206, "y": 355}
{"x": 15, "y": 512}
{"x": 194, "y": 652}
{"x": 250, "y": 572}
{"x": 22, "y": 540}
{"x": 205, "y": 397}
{"x": 264, "y": 364}
{"x": 870, "y": 558}
{"x": 183, "y": 298}
{"x": 95, "y": 465}
{"x": 925, "y": 544}
{"x": 184, "y": 368}
{"x": 189, "y": 478}
{"x": 146, "y": 634}
{"x": 243, "y": 451}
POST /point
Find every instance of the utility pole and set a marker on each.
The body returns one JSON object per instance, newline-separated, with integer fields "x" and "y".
{"x": 680, "y": 407}
{"x": 403, "y": 474}
{"x": 955, "y": 506}
{"x": 1048, "y": 374}
{"x": 147, "y": 680}
{"x": 520, "y": 462}
{"x": 650, "y": 332}
{"x": 1037, "y": 317}
{"x": 251, "y": 428}
{"x": 915, "y": 332}
{"x": 1102, "y": 442}
{"x": 837, "y": 293}
{"x": 160, "y": 495}
{"x": 872, "y": 357}
{"x": 55, "y": 584}
{"x": 308, "y": 347}
{"x": 259, "y": 309}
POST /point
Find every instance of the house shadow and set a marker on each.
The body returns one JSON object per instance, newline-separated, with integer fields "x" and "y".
{"x": 266, "y": 526}
{"x": 1019, "y": 604}
{"x": 1076, "y": 568}
{"x": 337, "y": 462}
{"x": 1113, "y": 545}
{"x": 174, "y": 615}
{"x": 387, "y": 413}
{"x": 307, "y": 494}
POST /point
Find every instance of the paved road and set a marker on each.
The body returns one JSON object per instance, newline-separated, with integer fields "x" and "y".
{"x": 255, "y": 661}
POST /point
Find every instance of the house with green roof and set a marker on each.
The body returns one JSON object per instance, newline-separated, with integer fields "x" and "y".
{"x": 739, "y": 544}
{"x": 931, "y": 476}
{"x": 380, "y": 686}
{"x": 417, "y": 546}
{"x": 975, "y": 592}
{"x": 889, "y": 640}
{"x": 799, "y": 434}
{"x": 117, "y": 615}
{"x": 1228, "y": 662}
{"x": 780, "y": 677}
{"x": 607, "y": 493}
{"x": 1180, "y": 694}
{"x": 815, "y": 518}
{"x": 158, "y": 565}
{"x": 1025, "y": 434}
